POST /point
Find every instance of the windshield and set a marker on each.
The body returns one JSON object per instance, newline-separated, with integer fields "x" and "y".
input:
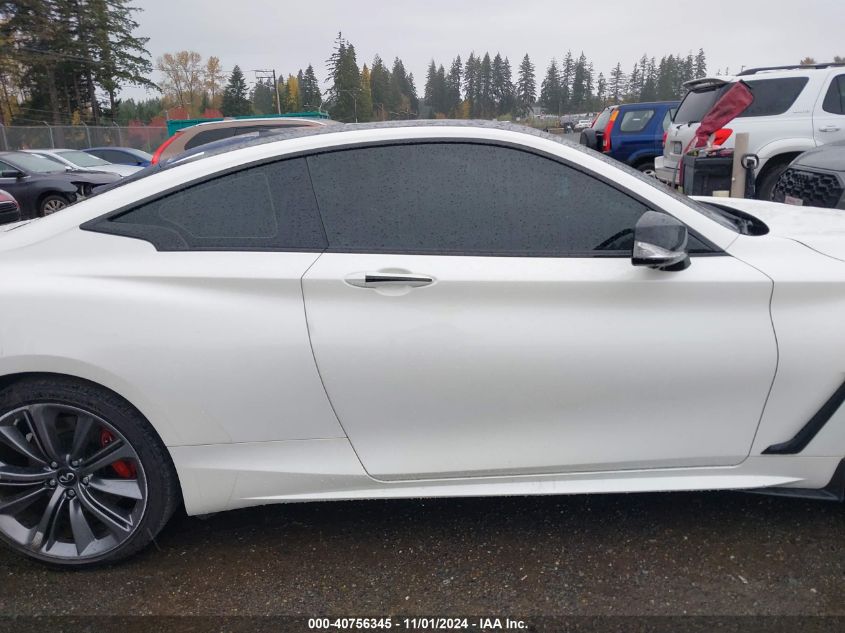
{"x": 82, "y": 159}
{"x": 697, "y": 103}
{"x": 34, "y": 163}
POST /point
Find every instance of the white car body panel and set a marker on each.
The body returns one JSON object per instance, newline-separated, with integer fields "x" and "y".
{"x": 217, "y": 350}
{"x": 501, "y": 356}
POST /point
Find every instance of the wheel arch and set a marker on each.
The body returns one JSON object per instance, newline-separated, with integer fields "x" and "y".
{"x": 164, "y": 431}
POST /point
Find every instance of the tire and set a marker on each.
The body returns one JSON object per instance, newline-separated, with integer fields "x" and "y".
{"x": 647, "y": 168}
{"x": 766, "y": 183}
{"x": 123, "y": 485}
{"x": 51, "y": 203}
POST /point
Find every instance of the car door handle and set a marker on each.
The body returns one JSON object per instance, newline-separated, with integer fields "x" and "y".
{"x": 380, "y": 280}
{"x": 829, "y": 128}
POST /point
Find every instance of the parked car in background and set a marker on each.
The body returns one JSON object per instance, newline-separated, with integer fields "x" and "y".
{"x": 10, "y": 211}
{"x": 77, "y": 159}
{"x": 583, "y": 124}
{"x": 815, "y": 179}
{"x": 121, "y": 155}
{"x": 202, "y": 133}
{"x": 631, "y": 133}
{"x": 42, "y": 186}
{"x": 795, "y": 109}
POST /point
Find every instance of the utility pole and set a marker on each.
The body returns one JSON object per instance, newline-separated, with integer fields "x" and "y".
{"x": 270, "y": 74}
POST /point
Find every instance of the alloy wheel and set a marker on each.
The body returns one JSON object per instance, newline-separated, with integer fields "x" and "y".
{"x": 72, "y": 487}
{"x": 53, "y": 205}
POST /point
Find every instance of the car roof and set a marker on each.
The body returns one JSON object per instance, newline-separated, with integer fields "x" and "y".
{"x": 340, "y": 128}
{"x": 648, "y": 104}
{"x": 753, "y": 74}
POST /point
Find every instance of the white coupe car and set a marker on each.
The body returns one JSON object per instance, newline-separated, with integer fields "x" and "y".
{"x": 409, "y": 310}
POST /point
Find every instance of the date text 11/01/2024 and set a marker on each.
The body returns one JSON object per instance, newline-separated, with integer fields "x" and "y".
{"x": 418, "y": 624}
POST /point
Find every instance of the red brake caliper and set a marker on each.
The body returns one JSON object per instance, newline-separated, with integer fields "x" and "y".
{"x": 124, "y": 469}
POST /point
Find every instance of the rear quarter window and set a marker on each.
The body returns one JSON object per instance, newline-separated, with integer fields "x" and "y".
{"x": 834, "y": 100}
{"x": 774, "y": 96}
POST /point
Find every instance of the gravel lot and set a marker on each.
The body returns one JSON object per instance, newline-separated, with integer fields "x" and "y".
{"x": 716, "y": 553}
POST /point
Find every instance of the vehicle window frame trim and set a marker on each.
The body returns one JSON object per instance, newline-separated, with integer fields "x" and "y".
{"x": 97, "y": 224}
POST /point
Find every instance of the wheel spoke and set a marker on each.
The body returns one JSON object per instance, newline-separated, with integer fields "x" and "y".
{"x": 16, "y": 476}
{"x": 83, "y": 535}
{"x": 110, "y": 453}
{"x": 114, "y": 520}
{"x": 20, "y": 501}
{"x": 44, "y": 427}
{"x": 13, "y": 438}
{"x": 128, "y": 488}
{"x": 81, "y": 434}
{"x": 44, "y": 535}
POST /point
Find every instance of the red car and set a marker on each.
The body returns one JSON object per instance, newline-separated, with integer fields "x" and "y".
{"x": 10, "y": 211}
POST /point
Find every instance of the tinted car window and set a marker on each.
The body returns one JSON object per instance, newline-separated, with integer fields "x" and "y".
{"x": 270, "y": 207}
{"x": 459, "y": 198}
{"x": 635, "y": 120}
{"x": 774, "y": 96}
{"x": 834, "y": 100}
{"x": 697, "y": 103}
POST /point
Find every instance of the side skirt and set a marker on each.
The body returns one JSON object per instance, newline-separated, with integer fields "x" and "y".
{"x": 833, "y": 491}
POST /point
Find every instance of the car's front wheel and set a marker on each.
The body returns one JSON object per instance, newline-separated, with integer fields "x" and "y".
{"x": 52, "y": 203}
{"x": 84, "y": 479}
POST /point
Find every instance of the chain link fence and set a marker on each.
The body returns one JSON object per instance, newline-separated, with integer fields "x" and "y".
{"x": 146, "y": 138}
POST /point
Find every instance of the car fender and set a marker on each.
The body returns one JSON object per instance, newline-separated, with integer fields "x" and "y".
{"x": 796, "y": 145}
{"x": 640, "y": 155}
{"x": 11, "y": 366}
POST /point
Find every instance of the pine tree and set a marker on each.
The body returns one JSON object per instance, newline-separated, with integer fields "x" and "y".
{"x": 485, "y": 76}
{"x": 235, "y": 96}
{"x": 579, "y": 84}
{"x": 380, "y": 89}
{"x": 403, "y": 92}
{"x": 700, "y": 65}
{"x": 649, "y": 92}
{"x": 567, "y": 75}
{"x": 365, "y": 101}
{"x": 453, "y": 88}
{"x": 601, "y": 92}
{"x": 263, "y": 98}
{"x": 551, "y": 93}
{"x": 502, "y": 86}
{"x": 345, "y": 78}
{"x": 526, "y": 88}
{"x": 617, "y": 84}
{"x": 309, "y": 90}
{"x": 472, "y": 85}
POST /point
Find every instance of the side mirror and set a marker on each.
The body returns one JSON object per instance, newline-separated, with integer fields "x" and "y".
{"x": 11, "y": 173}
{"x": 660, "y": 241}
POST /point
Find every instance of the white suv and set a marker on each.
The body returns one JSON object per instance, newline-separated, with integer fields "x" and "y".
{"x": 795, "y": 108}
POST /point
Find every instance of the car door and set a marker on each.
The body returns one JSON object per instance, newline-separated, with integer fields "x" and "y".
{"x": 477, "y": 313}
{"x": 636, "y": 138}
{"x": 829, "y": 117}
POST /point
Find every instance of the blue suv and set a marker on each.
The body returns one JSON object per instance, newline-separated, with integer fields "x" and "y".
{"x": 632, "y": 133}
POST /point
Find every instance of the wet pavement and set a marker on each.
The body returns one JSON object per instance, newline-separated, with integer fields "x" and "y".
{"x": 678, "y": 553}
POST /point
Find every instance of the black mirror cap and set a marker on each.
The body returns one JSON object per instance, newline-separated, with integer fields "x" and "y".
{"x": 660, "y": 241}
{"x": 11, "y": 173}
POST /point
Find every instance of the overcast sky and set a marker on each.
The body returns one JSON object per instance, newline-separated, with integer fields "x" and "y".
{"x": 289, "y": 35}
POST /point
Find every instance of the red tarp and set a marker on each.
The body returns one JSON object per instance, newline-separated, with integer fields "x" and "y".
{"x": 733, "y": 103}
